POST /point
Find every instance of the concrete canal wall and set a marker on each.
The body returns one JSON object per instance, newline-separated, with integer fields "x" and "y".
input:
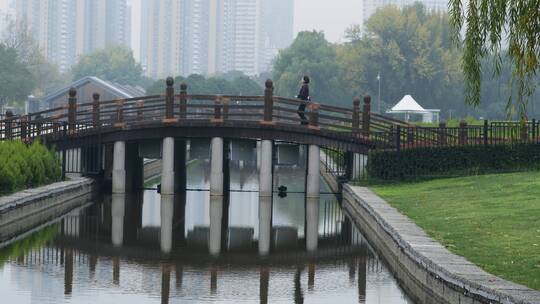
{"x": 25, "y": 210}
{"x": 425, "y": 268}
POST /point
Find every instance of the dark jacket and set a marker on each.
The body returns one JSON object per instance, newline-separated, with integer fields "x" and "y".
{"x": 304, "y": 93}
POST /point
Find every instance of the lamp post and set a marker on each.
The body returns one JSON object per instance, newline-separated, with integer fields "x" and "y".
{"x": 379, "y": 97}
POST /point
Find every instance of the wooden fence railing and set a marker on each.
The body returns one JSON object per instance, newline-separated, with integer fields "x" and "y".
{"x": 356, "y": 123}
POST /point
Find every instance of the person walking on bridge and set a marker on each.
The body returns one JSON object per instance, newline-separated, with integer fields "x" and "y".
{"x": 303, "y": 95}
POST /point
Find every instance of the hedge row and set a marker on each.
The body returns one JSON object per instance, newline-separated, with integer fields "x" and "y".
{"x": 450, "y": 161}
{"x": 26, "y": 166}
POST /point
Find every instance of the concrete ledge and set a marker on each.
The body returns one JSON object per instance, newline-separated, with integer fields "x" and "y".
{"x": 422, "y": 264}
{"x": 24, "y": 210}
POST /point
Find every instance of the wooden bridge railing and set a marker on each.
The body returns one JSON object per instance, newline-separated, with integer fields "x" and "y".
{"x": 356, "y": 123}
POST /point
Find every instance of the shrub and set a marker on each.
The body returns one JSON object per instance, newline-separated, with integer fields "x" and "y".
{"x": 23, "y": 166}
{"x": 420, "y": 163}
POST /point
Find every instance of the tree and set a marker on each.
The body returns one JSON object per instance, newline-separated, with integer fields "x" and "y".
{"x": 310, "y": 54}
{"x": 486, "y": 22}
{"x": 410, "y": 49}
{"x": 236, "y": 84}
{"x": 46, "y": 74}
{"x": 16, "y": 81}
{"x": 113, "y": 64}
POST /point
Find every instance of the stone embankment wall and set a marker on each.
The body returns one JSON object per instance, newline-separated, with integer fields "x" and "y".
{"x": 25, "y": 210}
{"x": 424, "y": 267}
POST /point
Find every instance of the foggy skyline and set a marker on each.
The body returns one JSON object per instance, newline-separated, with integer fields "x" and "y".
{"x": 332, "y": 17}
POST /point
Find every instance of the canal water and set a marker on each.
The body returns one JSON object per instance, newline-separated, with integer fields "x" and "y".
{"x": 142, "y": 248}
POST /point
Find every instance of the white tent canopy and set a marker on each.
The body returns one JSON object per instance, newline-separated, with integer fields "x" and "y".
{"x": 407, "y": 105}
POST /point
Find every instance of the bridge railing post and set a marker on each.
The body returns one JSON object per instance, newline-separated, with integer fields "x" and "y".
{"x": 366, "y": 114}
{"x": 356, "y": 116}
{"x": 462, "y": 138}
{"x": 119, "y": 114}
{"x": 442, "y": 134}
{"x": 485, "y": 135}
{"x": 140, "y": 107}
{"x": 268, "y": 101}
{"x": 183, "y": 100}
{"x": 314, "y": 116}
{"x": 533, "y": 131}
{"x": 169, "y": 99}
{"x": 410, "y": 136}
{"x": 9, "y": 125}
{"x": 24, "y": 127}
{"x": 217, "y": 109}
{"x": 398, "y": 138}
{"x": 72, "y": 110}
{"x": 524, "y": 130}
{"x": 38, "y": 124}
{"x": 95, "y": 111}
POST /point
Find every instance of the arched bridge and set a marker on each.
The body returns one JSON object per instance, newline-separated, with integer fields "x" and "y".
{"x": 89, "y": 127}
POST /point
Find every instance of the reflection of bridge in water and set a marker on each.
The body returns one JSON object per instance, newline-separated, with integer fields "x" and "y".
{"x": 95, "y": 243}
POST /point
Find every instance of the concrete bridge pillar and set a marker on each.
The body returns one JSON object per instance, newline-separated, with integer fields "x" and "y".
{"x": 117, "y": 211}
{"x": 312, "y": 223}
{"x": 167, "y": 212}
{"x": 265, "y": 224}
{"x": 265, "y": 171}
{"x": 127, "y": 173}
{"x": 216, "y": 167}
{"x": 216, "y": 214}
{"x": 313, "y": 172}
{"x": 119, "y": 167}
{"x": 167, "y": 162}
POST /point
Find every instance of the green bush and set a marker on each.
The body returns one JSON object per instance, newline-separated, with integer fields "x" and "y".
{"x": 23, "y": 166}
{"x": 421, "y": 163}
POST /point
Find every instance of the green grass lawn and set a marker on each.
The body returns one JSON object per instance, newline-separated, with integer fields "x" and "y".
{"x": 492, "y": 220}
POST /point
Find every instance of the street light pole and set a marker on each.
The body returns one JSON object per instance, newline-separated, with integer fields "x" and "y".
{"x": 379, "y": 97}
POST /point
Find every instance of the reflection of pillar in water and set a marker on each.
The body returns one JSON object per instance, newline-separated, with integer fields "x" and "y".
{"x": 311, "y": 276}
{"x": 312, "y": 223}
{"x": 165, "y": 283}
{"x": 179, "y": 218}
{"x": 167, "y": 212}
{"x": 213, "y": 279}
{"x": 265, "y": 224}
{"x": 116, "y": 271}
{"x": 216, "y": 212}
{"x": 298, "y": 293}
{"x": 118, "y": 210}
{"x": 68, "y": 272}
{"x": 216, "y": 166}
{"x": 362, "y": 274}
{"x": 263, "y": 285}
{"x": 179, "y": 272}
{"x": 352, "y": 271}
{"x": 92, "y": 265}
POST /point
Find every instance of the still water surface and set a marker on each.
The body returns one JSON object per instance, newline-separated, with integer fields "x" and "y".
{"x": 111, "y": 251}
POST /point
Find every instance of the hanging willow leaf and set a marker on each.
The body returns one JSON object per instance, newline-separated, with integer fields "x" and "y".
{"x": 486, "y": 23}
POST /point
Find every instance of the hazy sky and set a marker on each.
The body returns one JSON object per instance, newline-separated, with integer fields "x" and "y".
{"x": 330, "y": 16}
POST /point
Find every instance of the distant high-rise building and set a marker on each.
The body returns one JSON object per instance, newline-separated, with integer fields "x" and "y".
{"x": 213, "y": 36}
{"x": 101, "y": 23}
{"x": 238, "y": 36}
{"x": 65, "y": 29}
{"x": 162, "y": 37}
{"x": 276, "y": 30}
{"x": 369, "y": 7}
{"x": 7, "y": 15}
